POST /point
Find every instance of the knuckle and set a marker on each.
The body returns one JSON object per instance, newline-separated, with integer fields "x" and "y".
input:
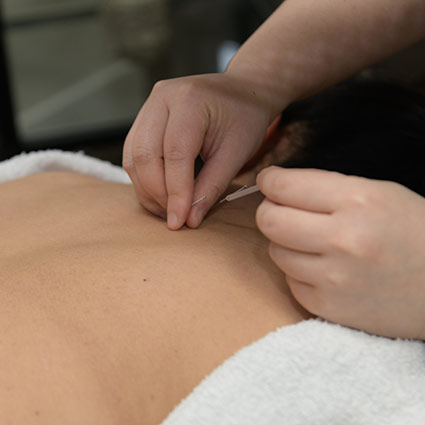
{"x": 358, "y": 199}
{"x": 361, "y": 198}
{"x": 343, "y": 243}
{"x": 354, "y": 242}
{"x": 189, "y": 87}
{"x": 336, "y": 278}
{"x": 141, "y": 155}
{"x": 364, "y": 195}
{"x": 174, "y": 153}
{"x": 159, "y": 86}
{"x": 181, "y": 88}
{"x": 338, "y": 242}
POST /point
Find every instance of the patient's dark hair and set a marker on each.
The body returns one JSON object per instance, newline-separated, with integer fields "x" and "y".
{"x": 366, "y": 128}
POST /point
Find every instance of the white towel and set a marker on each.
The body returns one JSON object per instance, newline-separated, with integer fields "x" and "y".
{"x": 56, "y": 160}
{"x": 311, "y": 373}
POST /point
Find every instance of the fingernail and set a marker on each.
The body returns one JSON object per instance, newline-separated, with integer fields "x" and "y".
{"x": 172, "y": 221}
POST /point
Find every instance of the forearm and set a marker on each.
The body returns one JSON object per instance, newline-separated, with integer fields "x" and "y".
{"x": 308, "y": 45}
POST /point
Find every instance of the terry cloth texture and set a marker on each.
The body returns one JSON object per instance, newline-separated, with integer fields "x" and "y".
{"x": 26, "y": 164}
{"x": 313, "y": 373}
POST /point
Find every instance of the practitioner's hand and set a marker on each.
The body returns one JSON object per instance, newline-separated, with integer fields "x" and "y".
{"x": 218, "y": 116}
{"x": 353, "y": 249}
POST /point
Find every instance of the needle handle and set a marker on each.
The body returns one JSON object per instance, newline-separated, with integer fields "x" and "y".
{"x": 242, "y": 193}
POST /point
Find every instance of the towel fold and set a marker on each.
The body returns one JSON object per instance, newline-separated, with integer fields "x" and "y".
{"x": 311, "y": 373}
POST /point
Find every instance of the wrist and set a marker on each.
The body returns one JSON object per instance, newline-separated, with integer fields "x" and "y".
{"x": 261, "y": 82}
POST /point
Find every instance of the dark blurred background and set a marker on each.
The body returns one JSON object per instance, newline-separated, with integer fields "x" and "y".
{"x": 74, "y": 73}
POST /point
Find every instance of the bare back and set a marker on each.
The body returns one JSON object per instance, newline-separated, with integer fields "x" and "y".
{"x": 107, "y": 316}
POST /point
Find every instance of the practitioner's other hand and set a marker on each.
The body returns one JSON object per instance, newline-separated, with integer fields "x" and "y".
{"x": 353, "y": 249}
{"x": 220, "y": 117}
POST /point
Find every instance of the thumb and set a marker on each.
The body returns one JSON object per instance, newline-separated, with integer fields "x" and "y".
{"x": 211, "y": 182}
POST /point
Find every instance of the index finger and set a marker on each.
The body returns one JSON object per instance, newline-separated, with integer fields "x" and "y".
{"x": 308, "y": 189}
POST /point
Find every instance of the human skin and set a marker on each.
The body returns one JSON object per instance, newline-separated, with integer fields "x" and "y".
{"x": 107, "y": 316}
{"x": 304, "y": 47}
{"x": 359, "y": 277}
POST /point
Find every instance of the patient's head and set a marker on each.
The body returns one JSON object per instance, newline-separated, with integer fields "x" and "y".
{"x": 365, "y": 128}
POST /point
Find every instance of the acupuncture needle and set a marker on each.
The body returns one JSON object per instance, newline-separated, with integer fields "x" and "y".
{"x": 240, "y": 193}
{"x": 204, "y": 197}
{"x": 199, "y": 200}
